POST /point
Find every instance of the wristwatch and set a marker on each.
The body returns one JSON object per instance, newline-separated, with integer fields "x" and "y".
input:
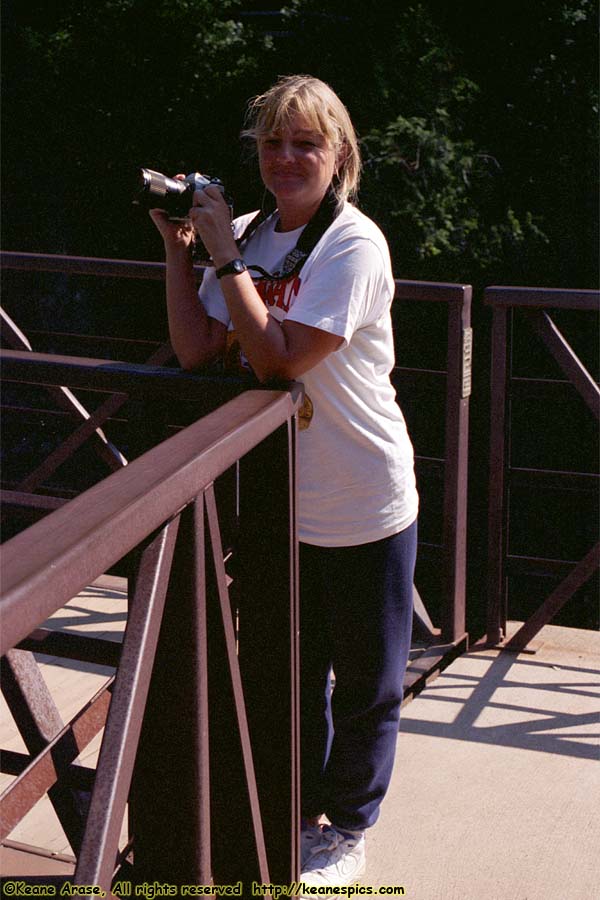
{"x": 235, "y": 267}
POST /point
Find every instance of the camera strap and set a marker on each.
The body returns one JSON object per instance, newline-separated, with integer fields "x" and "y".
{"x": 310, "y": 237}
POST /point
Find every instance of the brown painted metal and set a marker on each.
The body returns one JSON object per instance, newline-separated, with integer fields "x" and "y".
{"x": 38, "y": 721}
{"x": 215, "y": 802}
{"x": 65, "y": 450}
{"x": 32, "y": 706}
{"x": 457, "y": 376}
{"x": 567, "y": 359}
{"x": 263, "y": 422}
{"x": 44, "y": 771}
{"x": 541, "y": 298}
{"x": 66, "y": 645}
{"x": 201, "y": 705}
{"x": 268, "y": 572}
{"x": 497, "y": 532}
{"x": 64, "y": 398}
{"x": 456, "y": 296}
{"x": 78, "y": 542}
{"x": 236, "y": 681}
{"x": 80, "y": 777}
{"x": 534, "y": 303}
{"x": 87, "y": 429}
{"x": 98, "y": 854}
{"x": 169, "y": 803}
{"x": 39, "y": 501}
{"x": 458, "y": 392}
{"x": 584, "y": 569}
{"x": 235, "y": 818}
{"x": 90, "y": 427}
{"x": 135, "y": 379}
{"x": 432, "y": 291}
{"x": 82, "y": 265}
{"x": 115, "y": 515}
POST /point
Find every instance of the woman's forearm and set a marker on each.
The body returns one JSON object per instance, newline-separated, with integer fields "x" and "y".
{"x": 273, "y": 349}
{"x": 196, "y": 338}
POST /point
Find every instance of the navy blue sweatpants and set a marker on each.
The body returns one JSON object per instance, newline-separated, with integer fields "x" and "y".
{"x": 355, "y": 620}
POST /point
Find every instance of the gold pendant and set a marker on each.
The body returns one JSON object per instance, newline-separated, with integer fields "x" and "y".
{"x": 305, "y": 413}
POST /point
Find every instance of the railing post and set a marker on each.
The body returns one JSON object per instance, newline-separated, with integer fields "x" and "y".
{"x": 458, "y": 392}
{"x": 496, "y": 615}
{"x": 100, "y": 846}
{"x": 269, "y": 619}
{"x": 169, "y": 800}
{"x": 193, "y": 735}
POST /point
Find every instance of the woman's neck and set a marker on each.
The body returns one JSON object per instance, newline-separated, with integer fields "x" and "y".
{"x": 291, "y": 218}
{"x": 280, "y": 229}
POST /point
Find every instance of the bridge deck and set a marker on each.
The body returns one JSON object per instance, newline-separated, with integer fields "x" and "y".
{"x": 494, "y": 794}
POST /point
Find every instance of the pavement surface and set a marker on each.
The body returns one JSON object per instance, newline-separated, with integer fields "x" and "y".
{"x": 495, "y": 794}
{"x": 496, "y": 787}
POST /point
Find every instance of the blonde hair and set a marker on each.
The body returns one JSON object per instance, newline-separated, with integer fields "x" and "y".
{"x": 315, "y": 101}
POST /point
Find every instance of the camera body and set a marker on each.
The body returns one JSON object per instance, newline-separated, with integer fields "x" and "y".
{"x": 158, "y": 191}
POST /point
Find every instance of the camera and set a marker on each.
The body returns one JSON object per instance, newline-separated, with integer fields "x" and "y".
{"x": 157, "y": 191}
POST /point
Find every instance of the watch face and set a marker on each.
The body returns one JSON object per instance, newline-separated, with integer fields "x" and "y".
{"x": 232, "y": 268}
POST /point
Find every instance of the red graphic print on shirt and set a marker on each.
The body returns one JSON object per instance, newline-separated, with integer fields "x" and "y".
{"x": 280, "y": 293}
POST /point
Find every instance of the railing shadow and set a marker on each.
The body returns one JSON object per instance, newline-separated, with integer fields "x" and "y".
{"x": 536, "y": 719}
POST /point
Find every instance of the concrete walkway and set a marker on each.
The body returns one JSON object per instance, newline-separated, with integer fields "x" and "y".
{"x": 496, "y": 790}
{"x": 495, "y": 793}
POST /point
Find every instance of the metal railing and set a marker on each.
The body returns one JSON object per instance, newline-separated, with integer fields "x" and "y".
{"x": 456, "y": 299}
{"x": 450, "y": 471}
{"x": 208, "y": 773}
{"x": 533, "y": 305}
{"x": 186, "y": 736}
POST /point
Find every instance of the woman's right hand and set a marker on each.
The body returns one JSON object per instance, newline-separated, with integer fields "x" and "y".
{"x": 176, "y": 235}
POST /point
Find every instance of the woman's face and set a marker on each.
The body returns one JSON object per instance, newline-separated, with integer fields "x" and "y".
{"x": 297, "y": 165}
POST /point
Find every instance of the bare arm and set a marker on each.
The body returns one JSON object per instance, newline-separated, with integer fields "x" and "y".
{"x": 196, "y": 337}
{"x": 274, "y": 350}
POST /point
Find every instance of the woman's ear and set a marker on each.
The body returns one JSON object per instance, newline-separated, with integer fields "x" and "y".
{"x": 340, "y": 158}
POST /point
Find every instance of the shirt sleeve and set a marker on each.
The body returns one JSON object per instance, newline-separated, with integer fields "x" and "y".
{"x": 210, "y": 293}
{"x": 211, "y": 297}
{"x": 346, "y": 288}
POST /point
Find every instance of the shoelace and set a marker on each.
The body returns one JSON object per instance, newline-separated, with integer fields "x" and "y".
{"x": 332, "y": 838}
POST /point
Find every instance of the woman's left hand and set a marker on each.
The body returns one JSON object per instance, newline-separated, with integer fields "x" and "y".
{"x": 211, "y": 217}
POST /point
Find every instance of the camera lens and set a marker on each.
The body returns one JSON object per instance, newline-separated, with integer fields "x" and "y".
{"x": 158, "y": 185}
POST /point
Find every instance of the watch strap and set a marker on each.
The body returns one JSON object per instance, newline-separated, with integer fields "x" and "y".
{"x": 234, "y": 267}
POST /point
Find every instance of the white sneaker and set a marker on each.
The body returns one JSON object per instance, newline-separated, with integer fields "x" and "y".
{"x": 336, "y": 858}
{"x": 309, "y": 836}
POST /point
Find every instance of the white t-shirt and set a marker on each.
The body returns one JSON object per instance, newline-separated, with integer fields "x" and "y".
{"x": 356, "y": 480}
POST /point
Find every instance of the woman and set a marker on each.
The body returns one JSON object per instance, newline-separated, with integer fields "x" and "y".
{"x": 307, "y": 291}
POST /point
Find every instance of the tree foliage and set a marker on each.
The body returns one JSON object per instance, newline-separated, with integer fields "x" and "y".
{"x": 478, "y": 122}
{"x": 96, "y": 89}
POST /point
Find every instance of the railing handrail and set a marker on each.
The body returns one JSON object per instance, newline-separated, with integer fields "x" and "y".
{"x": 46, "y": 565}
{"x": 85, "y": 265}
{"x": 102, "y": 375}
{"x": 542, "y": 298}
{"x": 155, "y": 271}
{"x": 435, "y": 291}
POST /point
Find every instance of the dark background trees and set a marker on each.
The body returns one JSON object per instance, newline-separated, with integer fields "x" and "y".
{"x": 478, "y": 124}
{"x": 478, "y": 121}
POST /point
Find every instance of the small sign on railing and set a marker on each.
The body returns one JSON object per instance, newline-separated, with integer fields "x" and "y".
{"x": 467, "y": 362}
